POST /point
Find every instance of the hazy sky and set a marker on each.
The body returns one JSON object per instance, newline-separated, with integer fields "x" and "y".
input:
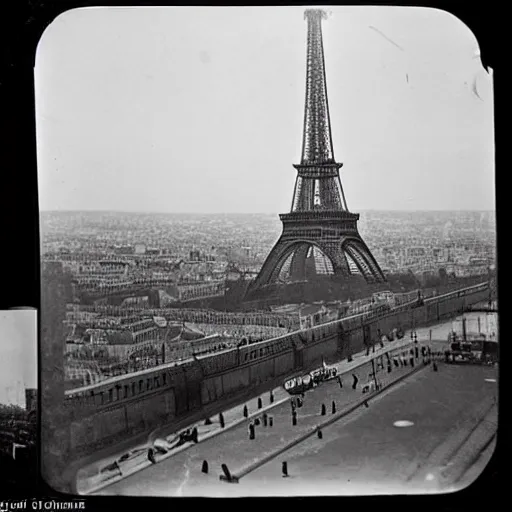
{"x": 201, "y": 109}
{"x": 18, "y": 354}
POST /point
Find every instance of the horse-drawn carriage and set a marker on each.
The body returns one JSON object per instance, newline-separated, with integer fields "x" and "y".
{"x": 303, "y": 383}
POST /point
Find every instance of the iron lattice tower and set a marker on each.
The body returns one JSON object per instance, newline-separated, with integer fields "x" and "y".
{"x": 319, "y": 234}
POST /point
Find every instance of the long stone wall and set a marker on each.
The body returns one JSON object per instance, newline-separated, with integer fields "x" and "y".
{"x": 106, "y": 413}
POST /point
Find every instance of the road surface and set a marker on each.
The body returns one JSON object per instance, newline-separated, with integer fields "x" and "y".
{"x": 363, "y": 453}
{"x": 88, "y": 477}
{"x": 209, "y": 450}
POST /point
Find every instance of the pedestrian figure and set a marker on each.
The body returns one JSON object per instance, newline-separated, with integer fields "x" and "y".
{"x": 412, "y": 362}
{"x": 271, "y": 421}
{"x": 389, "y": 368}
{"x": 260, "y": 404}
{"x": 333, "y": 407}
{"x": 319, "y": 434}
{"x": 227, "y": 474}
{"x": 246, "y": 412}
{"x": 294, "y": 418}
{"x": 323, "y": 412}
{"x": 221, "y": 420}
{"x": 396, "y": 363}
{"x": 356, "y": 380}
{"x": 251, "y": 431}
{"x": 265, "y": 419}
{"x": 284, "y": 468}
{"x": 204, "y": 468}
{"x": 271, "y": 397}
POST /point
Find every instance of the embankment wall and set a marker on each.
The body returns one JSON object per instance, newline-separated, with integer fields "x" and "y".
{"x": 129, "y": 406}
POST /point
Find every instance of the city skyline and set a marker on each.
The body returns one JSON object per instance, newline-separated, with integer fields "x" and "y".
{"x": 421, "y": 101}
{"x": 361, "y": 210}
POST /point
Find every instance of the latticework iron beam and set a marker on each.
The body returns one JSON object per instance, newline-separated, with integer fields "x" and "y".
{"x": 319, "y": 216}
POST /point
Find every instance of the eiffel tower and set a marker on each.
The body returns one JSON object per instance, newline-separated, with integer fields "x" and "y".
{"x": 319, "y": 234}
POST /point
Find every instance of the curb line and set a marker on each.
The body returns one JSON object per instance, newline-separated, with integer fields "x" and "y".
{"x": 237, "y": 422}
{"x": 184, "y": 447}
{"x": 249, "y": 469}
{"x": 466, "y": 459}
{"x": 474, "y": 427}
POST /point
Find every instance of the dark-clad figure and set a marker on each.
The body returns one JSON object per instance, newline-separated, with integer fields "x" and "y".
{"x": 355, "y": 381}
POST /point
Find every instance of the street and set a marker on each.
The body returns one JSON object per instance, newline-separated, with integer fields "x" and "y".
{"x": 362, "y": 453}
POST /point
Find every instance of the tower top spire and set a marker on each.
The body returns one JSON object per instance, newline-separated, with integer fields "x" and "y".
{"x": 315, "y": 13}
{"x": 319, "y": 234}
{"x": 317, "y": 145}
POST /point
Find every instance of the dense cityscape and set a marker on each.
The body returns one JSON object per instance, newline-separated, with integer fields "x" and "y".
{"x": 145, "y": 285}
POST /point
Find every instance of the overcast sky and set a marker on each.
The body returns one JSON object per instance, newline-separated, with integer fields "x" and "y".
{"x": 201, "y": 109}
{"x": 18, "y": 355}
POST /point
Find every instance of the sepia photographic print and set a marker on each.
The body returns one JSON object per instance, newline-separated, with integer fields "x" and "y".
{"x": 268, "y": 252}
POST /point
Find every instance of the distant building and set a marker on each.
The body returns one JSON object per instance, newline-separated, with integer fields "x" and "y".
{"x": 31, "y": 399}
{"x": 124, "y": 249}
{"x": 195, "y": 255}
{"x": 233, "y": 273}
{"x": 385, "y": 296}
